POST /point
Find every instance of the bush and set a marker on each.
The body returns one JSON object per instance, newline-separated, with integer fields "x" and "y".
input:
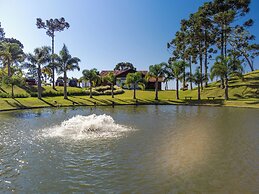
{"x": 4, "y": 95}
{"x": 115, "y": 92}
{"x": 52, "y": 93}
{"x": 102, "y": 88}
{"x": 108, "y": 92}
{"x": 21, "y": 95}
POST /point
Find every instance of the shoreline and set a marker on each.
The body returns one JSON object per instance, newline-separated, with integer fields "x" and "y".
{"x": 160, "y": 102}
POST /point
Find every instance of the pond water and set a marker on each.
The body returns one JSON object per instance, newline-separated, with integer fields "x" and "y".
{"x": 128, "y": 149}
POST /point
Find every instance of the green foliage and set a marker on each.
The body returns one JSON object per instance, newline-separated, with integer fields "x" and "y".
{"x": 124, "y": 66}
{"x": 102, "y": 88}
{"x": 11, "y": 54}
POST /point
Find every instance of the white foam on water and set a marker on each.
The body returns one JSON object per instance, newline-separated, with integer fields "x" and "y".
{"x": 87, "y": 127}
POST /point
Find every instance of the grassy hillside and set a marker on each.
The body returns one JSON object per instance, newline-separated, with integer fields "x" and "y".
{"x": 243, "y": 93}
{"x": 246, "y": 88}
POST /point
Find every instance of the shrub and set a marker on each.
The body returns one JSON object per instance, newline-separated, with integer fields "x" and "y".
{"x": 21, "y": 95}
{"x": 4, "y": 95}
{"x": 108, "y": 92}
{"x": 102, "y": 88}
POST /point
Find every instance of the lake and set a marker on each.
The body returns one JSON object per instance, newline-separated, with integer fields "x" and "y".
{"x": 130, "y": 149}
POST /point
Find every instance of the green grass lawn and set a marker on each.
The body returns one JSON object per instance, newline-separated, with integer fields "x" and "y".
{"x": 242, "y": 93}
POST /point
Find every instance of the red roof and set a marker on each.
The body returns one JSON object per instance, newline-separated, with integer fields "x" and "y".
{"x": 118, "y": 72}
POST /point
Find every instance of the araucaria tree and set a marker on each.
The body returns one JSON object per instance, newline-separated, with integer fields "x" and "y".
{"x": 225, "y": 68}
{"x": 35, "y": 61}
{"x": 92, "y": 76}
{"x": 215, "y": 27}
{"x": 135, "y": 80}
{"x": 65, "y": 62}
{"x": 156, "y": 71}
{"x": 51, "y": 26}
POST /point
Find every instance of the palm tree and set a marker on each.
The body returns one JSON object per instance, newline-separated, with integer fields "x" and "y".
{"x": 11, "y": 53}
{"x": 156, "y": 71}
{"x": 135, "y": 79}
{"x": 40, "y": 57}
{"x": 198, "y": 78}
{"x": 65, "y": 62}
{"x": 175, "y": 70}
{"x": 46, "y": 71}
{"x": 225, "y": 67}
{"x": 110, "y": 79}
{"x": 92, "y": 76}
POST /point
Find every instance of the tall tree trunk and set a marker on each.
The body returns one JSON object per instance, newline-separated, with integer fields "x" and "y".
{"x": 190, "y": 64}
{"x": 226, "y": 88}
{"x": 199, "y": 92}
{"x": 65, "y": 83}
{"x": 91, "y": 96}
{"x": 222, "y": 53}
{"x": 222, "y": 43}
{"x": 200, "y": 56}
{"x": 225, "y": 43}
{"x": 156, "y": 89}
{"x": 134, "y": 92}
{"x": 206, "y": 60}
{"x": 112, "y": 90}
{"x": 39, "y": 82}
{"x": 52, "y": 60}
{"x": 177, "y": 88}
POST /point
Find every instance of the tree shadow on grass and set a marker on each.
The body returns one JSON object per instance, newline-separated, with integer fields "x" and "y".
{"x": 52, "y": 105}
{"x": 16, "y": 104}
{"x": 1, "y": 89}
{"x": 74, "y": 102}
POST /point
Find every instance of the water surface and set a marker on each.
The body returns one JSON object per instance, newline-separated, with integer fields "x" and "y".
{"x": 144, "y": 149}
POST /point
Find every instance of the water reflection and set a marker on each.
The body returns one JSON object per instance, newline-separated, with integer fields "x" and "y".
{"x": 174, "y": 149}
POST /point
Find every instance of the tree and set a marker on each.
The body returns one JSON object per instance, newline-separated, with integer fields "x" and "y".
{"x": 111, "y": 79}
{"x": 16, "y": 78}
{"x": 156, "y": 71}
{"x": 51, "y": 26}
{"x": 180, "y": 47}
{"x": 242, "y": 46}
{"x": 46, "y": 72}
{"x": 122, "y": 66}
{"x": 65, "y": 62}
{"x": 13, "y": 40}
{"x": 92, "y": 76}
{"x": 35, "y": 61}
{"x": 225, "y": 68}
{"x": 197, "y": 78}
{"x": 135, "y": 79}
{"x": 10, "y": 54}
{"x": 175, "y": 69}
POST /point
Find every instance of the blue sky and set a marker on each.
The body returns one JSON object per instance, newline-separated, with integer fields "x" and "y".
{"x": 103, "y": 33}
